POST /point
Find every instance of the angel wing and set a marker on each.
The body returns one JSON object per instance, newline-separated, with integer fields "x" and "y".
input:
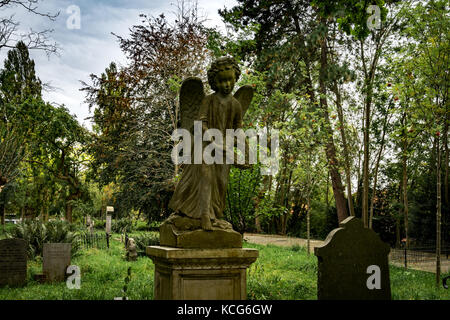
{"x": 244, "y": 95}
{"x": 191, "y": 97}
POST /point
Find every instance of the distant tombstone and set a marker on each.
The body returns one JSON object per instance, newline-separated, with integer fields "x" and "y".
{"x": 131, "y": 250}
{"x": 90, "y": 225}
{"x": 56, "y": 260}
{"x": 108, "y": 224}
{"x": 353, "y": 264}
{"x": 13, "y": 262}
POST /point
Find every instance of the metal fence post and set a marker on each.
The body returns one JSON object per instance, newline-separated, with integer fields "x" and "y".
{"x": 406, "y": 259}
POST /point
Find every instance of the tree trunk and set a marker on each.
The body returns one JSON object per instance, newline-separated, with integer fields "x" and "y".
{"x": 258, "y": 201}
{"x": 69, "y": 212}
{"x": 365, "y": 199}
{"x": 397, "y": 233}
{"x": 3, "y": 212}
{"x": 327, "y": 197}
{"x": 346, "y": 152}
{"x": 73, "y": 196}
{"x": 438, "y": 215}
{"x": 308, "y": 225}
{"x": 375, "y": 178}
{"x": 405, "y": 189}
{"x": 446, "y": 195}
{"x": 330, "y": 148}
{"x": 369, "y": 76}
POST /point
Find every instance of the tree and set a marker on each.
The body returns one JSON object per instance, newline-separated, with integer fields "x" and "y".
{"x": 287, "y": 39}
{"x": 45, "y": 142}
{"x": 10, "y": 35}
{"x": 12, "y": 153}
{"x": 136, "y": 108}
{"x": 427, "y": 80}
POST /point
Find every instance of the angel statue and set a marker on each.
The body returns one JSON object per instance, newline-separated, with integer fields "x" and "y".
{"x": 200, "y": 194}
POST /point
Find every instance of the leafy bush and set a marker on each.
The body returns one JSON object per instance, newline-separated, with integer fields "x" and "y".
{"x": 241, "y": 190}
{"x": 154, "y": 225}
{"x": 143, "y": 240}
{"x": 99, "y": 224}
{"x": 142, "y": 226}
{"x": 36, "y": 233}
{"x": 122, "y": 226}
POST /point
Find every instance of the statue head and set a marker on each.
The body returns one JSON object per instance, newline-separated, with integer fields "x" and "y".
{"x": 223, "y": 74}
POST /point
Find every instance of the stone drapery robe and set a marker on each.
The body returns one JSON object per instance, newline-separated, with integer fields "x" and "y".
{"x": 202, "y": 187}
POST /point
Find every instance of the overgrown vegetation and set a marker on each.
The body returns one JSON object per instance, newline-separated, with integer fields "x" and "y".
{"x": 36, "y": 233}
{"x": 279, "y": 273}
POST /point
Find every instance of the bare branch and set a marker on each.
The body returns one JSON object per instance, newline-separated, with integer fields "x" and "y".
{"x": 35, "y": 40}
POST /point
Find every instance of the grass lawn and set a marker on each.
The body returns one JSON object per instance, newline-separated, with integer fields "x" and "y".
{"x": 279, "y": 273}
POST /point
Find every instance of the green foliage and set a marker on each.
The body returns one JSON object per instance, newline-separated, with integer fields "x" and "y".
{"x": 281, "y": 273}
{"x": 102, "y": 278}
{"x": 147, "y": 226}
{"x": 143, "y": 240}
{"x": 123, "y": 225}
{"x": 243, "y": 185}
{"x": 136, "y": 110}
{"x": 36, "y": 233}
{"x": 46, "y": 144}
{"x": 100, "y": 224}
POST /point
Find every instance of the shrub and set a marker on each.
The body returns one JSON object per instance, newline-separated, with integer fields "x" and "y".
{"x": 154, "y": 225}
{"x": 99, "y": 224}
{"x": 142, "y": 226}
{"x": 143, "y": 240}
{"x": 36, "y": 233}
{"x": 123, "y": 225}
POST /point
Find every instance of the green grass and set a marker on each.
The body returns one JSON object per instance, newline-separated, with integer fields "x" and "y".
{"x": 290, "y": 274}
{"x": 102, "y": 278}
{"x": 408, "y": 284}
{"x": 6, "y": 228}
{"x": 278, "y": 273}
{"x": 282, "y": 273}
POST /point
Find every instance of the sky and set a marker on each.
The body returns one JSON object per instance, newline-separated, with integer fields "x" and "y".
{"x": 86, "y": 44}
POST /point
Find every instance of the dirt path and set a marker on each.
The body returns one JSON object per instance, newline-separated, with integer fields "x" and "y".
{"x": 285, "y": 241}
{"x": 279, "y": 240}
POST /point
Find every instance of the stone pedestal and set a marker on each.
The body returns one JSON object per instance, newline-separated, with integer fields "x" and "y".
{"x": 201, "y": 274}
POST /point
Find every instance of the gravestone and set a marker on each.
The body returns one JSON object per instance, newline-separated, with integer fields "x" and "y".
{"x": 90, "y": 225}
{"x": 108, "y": 224}
{"x": 13, "y": 262}
{"x": 131, "y": 250}
{"x": 56, "y": 260}
{"x": 353, "y": 264}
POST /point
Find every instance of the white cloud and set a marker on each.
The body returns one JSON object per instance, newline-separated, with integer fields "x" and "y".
{"x": 92, "y": 48}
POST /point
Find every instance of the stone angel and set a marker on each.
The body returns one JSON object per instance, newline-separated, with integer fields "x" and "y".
{"x": 201, "y": 192}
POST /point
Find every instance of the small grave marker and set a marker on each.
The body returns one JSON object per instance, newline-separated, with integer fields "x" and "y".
{"x": 56, "y": 260}
{"x": 108, "y": 224}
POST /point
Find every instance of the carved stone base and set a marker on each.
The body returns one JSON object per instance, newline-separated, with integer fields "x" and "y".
{"x": 201, "y": 274}
{"x": 184, "y": 232}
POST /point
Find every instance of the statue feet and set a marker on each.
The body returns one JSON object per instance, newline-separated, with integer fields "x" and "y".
{"x": 181, "y": 231}
{"x": 206, "y": 223}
